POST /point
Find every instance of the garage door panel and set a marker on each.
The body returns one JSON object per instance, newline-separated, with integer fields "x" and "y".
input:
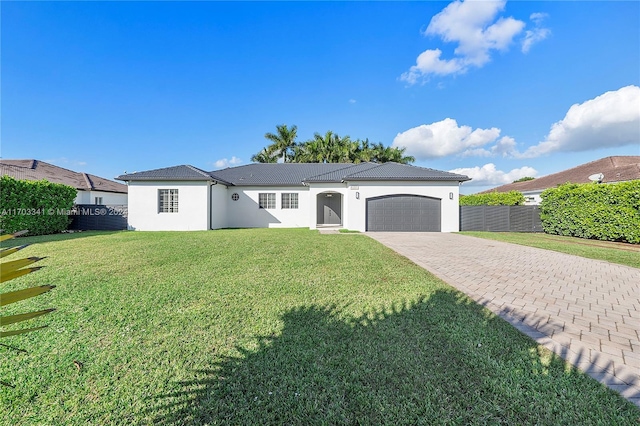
{"x": 411, "y": 213}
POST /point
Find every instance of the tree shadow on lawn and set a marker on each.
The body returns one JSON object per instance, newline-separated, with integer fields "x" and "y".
{"x": 441, "y": 360}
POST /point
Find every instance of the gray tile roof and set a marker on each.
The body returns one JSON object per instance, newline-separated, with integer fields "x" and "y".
{"x": 340, "y": 174}
{"x": 287, "y": 174}
{"x": 294, "y": 174}
{"x": 183, "y": 172}
{"x": 38, "y": 170}
{"x": 395, "y": 172}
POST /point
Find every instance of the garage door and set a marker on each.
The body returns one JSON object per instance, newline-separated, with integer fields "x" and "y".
{"x": 411, "y": 213}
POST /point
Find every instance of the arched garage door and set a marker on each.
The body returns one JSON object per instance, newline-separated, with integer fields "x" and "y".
{"x": 411, "y": 213}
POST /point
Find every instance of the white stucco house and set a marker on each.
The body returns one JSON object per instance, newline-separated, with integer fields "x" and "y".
{"x": 91, "y": 189}
{"x": 362, "y": 197}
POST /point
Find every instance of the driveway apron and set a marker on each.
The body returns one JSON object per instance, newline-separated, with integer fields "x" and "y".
{"x": 587, "y": 311}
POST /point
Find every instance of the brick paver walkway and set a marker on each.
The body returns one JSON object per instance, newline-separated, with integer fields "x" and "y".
{"x": 585, "y": 310}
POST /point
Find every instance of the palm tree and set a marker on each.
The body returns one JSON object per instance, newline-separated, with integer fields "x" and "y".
{"x": 318, "y": 149}
{"x": 283, "y": 141}
{"x": 384, "y": 154}
{"x": 264, "y": 157}
{"x": 365, "y": 152}
{"x": 395, "y": 155}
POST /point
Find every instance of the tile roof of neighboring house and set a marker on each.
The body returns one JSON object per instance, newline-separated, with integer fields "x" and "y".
{"x": 614, "y": 169}
{"x": 38, "y": 170}
{"x": 292, "y": 174}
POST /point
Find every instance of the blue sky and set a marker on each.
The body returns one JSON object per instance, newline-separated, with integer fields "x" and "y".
{"x": 495, "y": 90}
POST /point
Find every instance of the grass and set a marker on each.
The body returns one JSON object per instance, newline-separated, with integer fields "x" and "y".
{"x": 621, "y": 253}
{"x": 273, "y": 327}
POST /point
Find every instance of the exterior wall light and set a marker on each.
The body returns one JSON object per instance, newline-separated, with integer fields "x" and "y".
{"x": 357, "y": 195}
{"x": 451, "y": 195}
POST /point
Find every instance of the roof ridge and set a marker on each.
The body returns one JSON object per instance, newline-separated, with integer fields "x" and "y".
{"x": 88, "y": 180}
{"x": 347, "y": 166}
{"x": 374, "y": 166}
{"x": 197, "y": 170}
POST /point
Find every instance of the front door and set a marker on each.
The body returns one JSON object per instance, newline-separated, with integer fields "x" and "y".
{"x": 329, "y": 209}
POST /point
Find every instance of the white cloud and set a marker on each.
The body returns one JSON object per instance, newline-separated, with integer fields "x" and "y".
{"x": 352, "y": 101}
{"x": 536, "y": 34}
{"x": 477, "y": 30}
{"x": 489, "y": 175}
{"x": 609, "y": 120}
{"x": 444, "y": 138}
{"x": 538, "y": 17}
{"x": 224, "y": 162}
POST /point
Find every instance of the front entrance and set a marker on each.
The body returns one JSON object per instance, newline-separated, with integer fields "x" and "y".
{"x": 329, "y": 208}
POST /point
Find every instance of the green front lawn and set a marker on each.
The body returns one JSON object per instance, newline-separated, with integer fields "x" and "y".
{"x": 622, "y": 253}
{"x": 253, "y": 327}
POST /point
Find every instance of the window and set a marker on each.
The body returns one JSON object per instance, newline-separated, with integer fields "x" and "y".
{"x": 98, "y": 200}
{"x": 290, "y": 200}
{"x": 167, "y": 201}
{"x": 267, "y": 200}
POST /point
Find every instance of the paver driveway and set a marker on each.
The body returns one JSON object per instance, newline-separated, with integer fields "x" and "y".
{"x": 585, "y": 310}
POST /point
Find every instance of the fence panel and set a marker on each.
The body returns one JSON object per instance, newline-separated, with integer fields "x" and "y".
{"x": 96, "y": 217}
{"x": 500, "y": 218}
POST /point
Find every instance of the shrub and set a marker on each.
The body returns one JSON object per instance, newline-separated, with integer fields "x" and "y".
{"x": 39, "y": 206}
{"x": 511, "y": 198}
{"x": 609, "y": 212}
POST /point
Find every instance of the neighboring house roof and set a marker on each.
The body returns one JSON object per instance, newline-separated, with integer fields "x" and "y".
{"x": 614, "y": 169}
{"x": 292, "y": 174}
{"x": 38, "y": 170}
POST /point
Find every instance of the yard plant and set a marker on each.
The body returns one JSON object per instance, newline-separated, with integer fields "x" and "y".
{"x": 40, "y": 206}
{"x": 511, "y": 198}
{"x": 595, "y": 211}
{"x": 272, "y": 326}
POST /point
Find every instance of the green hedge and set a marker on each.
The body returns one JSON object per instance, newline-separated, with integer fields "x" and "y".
{"x": 511, "y": 198}
{"x": 609, "y": 212}
{"x": 39, "y": 206}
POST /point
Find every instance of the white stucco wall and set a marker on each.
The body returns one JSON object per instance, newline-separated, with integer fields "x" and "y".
{"x": 219, "y": 200}
{"x": 245, "y": 212}
{"x": 532, "y": 198}
{"x": 354, "y": 210}
{"x": 204, "y": 206}
{"x": 108, "y": 198}
{"x": 193, "y": 206}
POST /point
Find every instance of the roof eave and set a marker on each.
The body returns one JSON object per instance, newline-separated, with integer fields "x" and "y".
{"x": 409, "y": 179}
{"x": 263, "y": 184}
{"x": 173, "y": 178}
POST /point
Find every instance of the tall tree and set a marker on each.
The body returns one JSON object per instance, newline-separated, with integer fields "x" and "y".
{"x": 264, "y": 156}
{"x": 283, "y": 141}
{"x": 327, "y": 148}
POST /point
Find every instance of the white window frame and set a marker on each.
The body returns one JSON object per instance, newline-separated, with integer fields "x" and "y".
{"x": 167, "y": 201}
{"x": 267, "y": 200}
{"x": 289, "y": 200}
{"x": 97, "y": 201}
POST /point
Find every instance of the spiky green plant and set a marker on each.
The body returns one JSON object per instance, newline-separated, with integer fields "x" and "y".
{"x": 13, "y": 269}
